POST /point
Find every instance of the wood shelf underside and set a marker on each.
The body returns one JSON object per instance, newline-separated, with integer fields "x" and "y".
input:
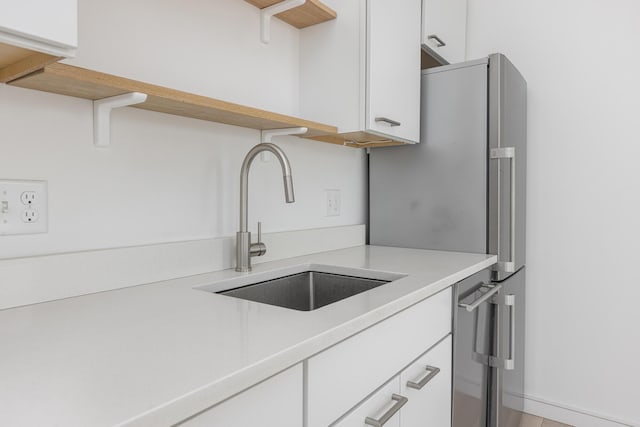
{"x": 358, "y": 139}
{"x": 311, "y": 13}
{"x": 82, "y": 83}
{"x": 16, "y": 62}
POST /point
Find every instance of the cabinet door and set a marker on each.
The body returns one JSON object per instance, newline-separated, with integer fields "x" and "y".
{"x": 427, "y": 384}
{"x": 444, "y": 28}
{"x": 375, "y": 407}
{"x": 274, "y": 402}
{"x": 40, "y": 24}
{"x": 393, "y": 69}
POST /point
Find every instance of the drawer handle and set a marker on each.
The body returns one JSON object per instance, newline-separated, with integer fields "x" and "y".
{"x": 400, "y": 402}
{"x": 432, "y": 372}
{"x": 387, "y": 121}
{"x": 437, "y": 39}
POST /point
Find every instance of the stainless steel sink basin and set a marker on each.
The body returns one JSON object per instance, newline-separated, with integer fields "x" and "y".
{"x": 304, "y": 291}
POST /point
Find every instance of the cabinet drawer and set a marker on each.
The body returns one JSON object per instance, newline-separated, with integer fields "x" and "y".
{"x": 274, "y": 402}
{"x": 375, "y": 407}
{"x": 429, "y": 398}
{"x": 340, "y": 377}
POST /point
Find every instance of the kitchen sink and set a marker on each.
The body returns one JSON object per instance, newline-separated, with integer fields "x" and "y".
{"x": 306, "y": 290}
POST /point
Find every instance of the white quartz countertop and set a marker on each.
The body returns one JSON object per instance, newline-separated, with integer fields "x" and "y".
{"x": 155, "y": 354}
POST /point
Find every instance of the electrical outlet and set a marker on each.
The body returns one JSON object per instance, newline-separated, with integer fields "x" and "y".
{"x": 333, "y": 202}
{"x": 23, "y": 207}
{"x": 30, "y": 215}
{"x": 28, "y": 197}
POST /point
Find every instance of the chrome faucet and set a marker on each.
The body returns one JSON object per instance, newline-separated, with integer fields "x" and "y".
{"x": 244, "y": 248}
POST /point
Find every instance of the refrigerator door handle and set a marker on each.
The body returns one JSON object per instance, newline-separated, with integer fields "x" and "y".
{"x": 510, "y": 302}
{"x": 509, "y": 363}
{"x": 510, "y": 154}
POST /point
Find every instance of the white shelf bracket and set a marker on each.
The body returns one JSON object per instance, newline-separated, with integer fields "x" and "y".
{"x": 268, "y": 12}
{"x": 102, "y": 115}
{"x": 266, "y": 135}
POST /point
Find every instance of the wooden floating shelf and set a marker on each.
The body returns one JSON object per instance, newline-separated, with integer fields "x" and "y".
{"x": 83, "y": 83}
{"x": 16, "y": 61}
{"x": 311, "y": 13}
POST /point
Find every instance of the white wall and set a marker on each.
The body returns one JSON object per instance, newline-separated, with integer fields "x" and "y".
{"x": 208, "y": 47}
{"x": 581, "y": 61}
{"x": 168, "y": 178}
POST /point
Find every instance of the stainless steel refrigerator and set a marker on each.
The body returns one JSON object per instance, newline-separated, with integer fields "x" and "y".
{"x": 463, "y": 189}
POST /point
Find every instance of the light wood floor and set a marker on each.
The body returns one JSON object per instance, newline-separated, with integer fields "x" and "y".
{"x": 533, "y": 421}
{"x": 509, "y": 417}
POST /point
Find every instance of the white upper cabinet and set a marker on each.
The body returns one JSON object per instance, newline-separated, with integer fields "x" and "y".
{"x": 444, "y": 28}
{"x": 393, "y": 69}
{"x": 361, "y": 72}
{"x": 47, "y": 26}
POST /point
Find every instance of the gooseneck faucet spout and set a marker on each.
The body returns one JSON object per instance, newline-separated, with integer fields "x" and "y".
{"x": 244, "y": 248}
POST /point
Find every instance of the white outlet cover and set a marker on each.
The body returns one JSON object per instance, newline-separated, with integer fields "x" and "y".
{"x": 333, "y": 202}
{"x": 25, "y": 207}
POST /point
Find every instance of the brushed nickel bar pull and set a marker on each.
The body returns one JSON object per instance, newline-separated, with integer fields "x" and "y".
{"x": 432, "y": 372}
{"x": 492, "y": 290}
{"x": 388, "y": 121}
{"x": 437, "y": 39}
{"x": 400, "y": 402}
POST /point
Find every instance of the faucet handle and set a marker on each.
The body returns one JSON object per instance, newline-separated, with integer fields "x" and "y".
{"x": 258, "y": 248}
{"x": 259, "y": 231}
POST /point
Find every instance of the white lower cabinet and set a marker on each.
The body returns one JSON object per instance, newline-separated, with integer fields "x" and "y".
{"x": 277, "y": 401}
{"x": 427, "y": 385}
{"x": 345, "y": 374}
{"x": 419, "y": 396}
